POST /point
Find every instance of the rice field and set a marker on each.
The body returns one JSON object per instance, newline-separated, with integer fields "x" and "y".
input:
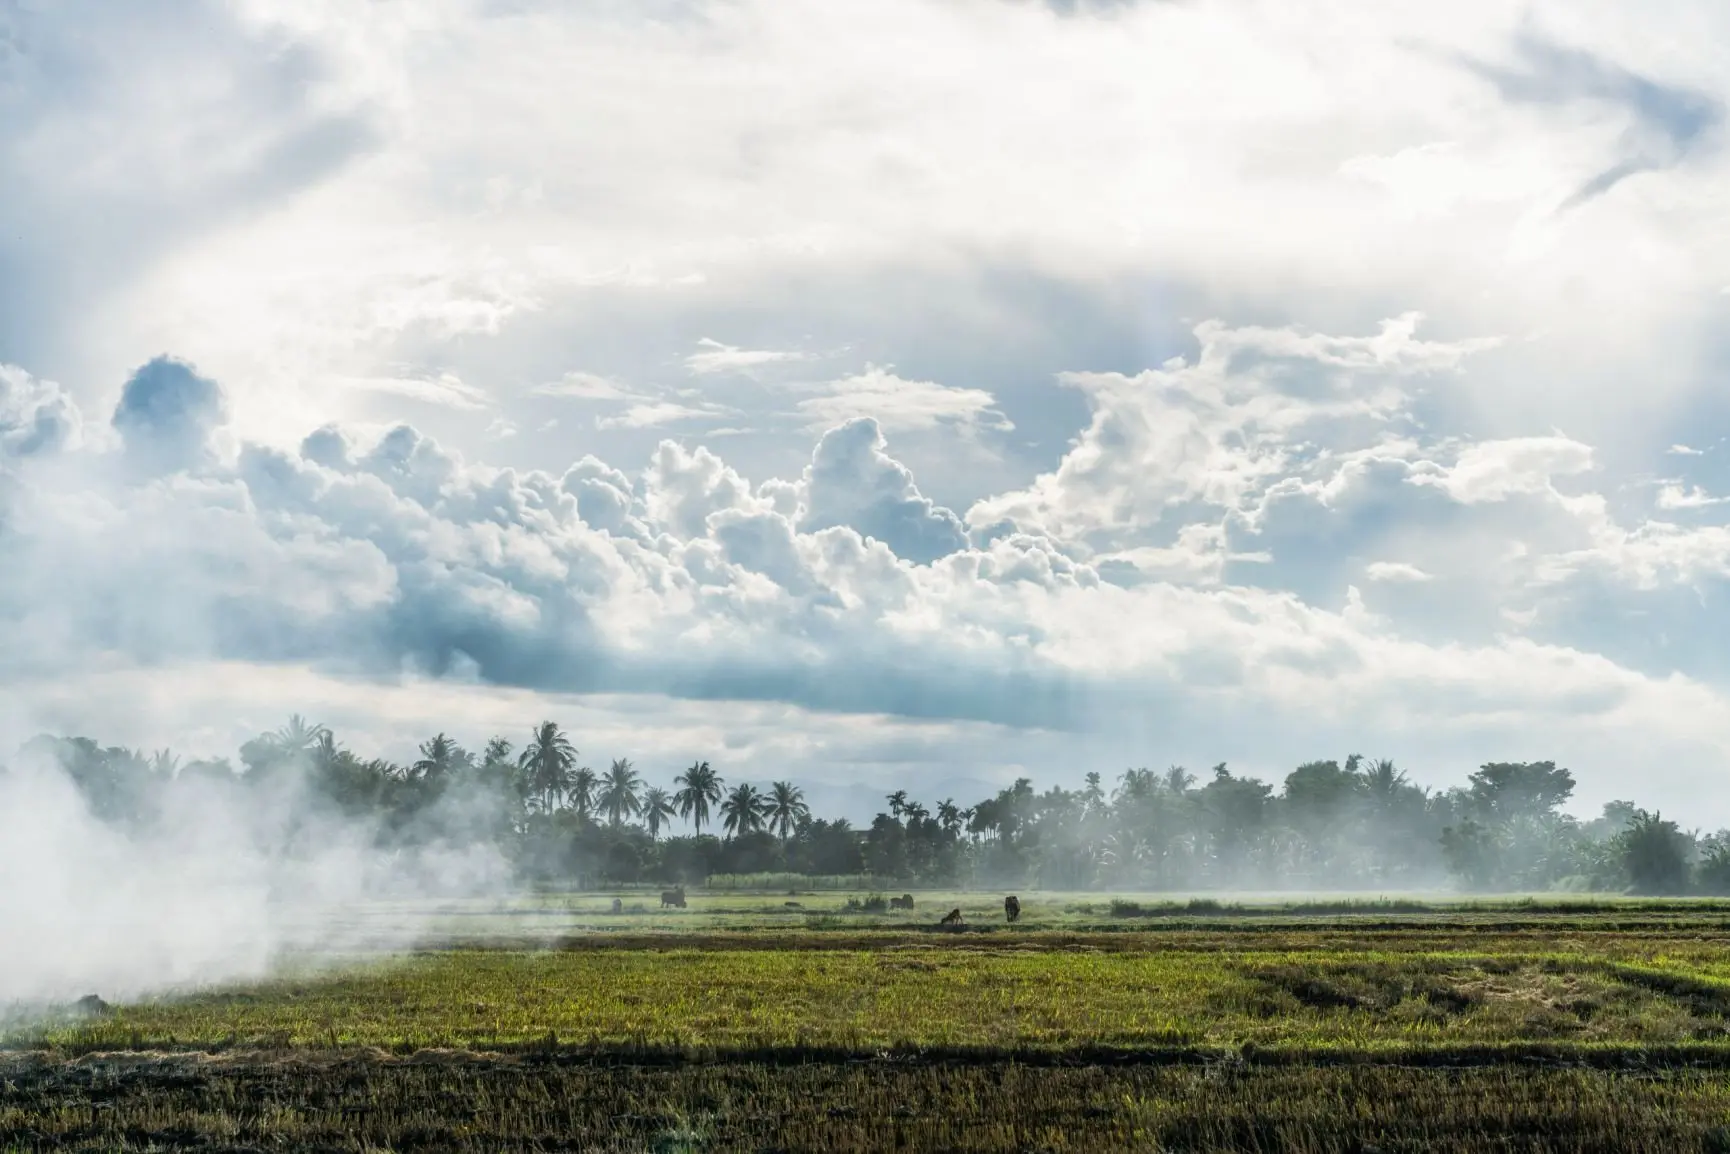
{"x": 742, "y": 1022}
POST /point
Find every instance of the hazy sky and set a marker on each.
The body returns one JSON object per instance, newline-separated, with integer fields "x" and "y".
{"x": 884, "y": 393}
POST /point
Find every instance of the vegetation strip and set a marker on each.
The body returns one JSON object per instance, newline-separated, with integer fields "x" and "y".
{"x": 553, "y": 1052}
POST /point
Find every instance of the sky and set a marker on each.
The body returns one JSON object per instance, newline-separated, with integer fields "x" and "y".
{"x": 882, "y": 394}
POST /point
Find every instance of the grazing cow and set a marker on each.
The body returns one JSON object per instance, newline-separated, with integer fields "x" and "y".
{"x": 618, "y": 906}
{"x": 673, "y": 898}
{"x": 1011, "y": 908}
{"x": 953, "y": 918}
{"x": 904, "y": 902}
{"x": 793, "y": 905}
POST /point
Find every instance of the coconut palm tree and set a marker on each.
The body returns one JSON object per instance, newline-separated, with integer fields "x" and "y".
{"x": 618, "y": 797}
{"x": 786, "y": 808}
{"x": 546, "y": 764}
{"x": 657, "y": 810}
{"x": 439, "y": 758}
{"x": 297, "y": 737}
{"x": 742, "y": 812}
{"x": 699, "y": 788}
{"x": 897, "y": 803}
{"x": 163, "y": 763}
{"x": 580, "y": 794}
{"x": 1382, "y": 780}
{"x": 948, "y": 816}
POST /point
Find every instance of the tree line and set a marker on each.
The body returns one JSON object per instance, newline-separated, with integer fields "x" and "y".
{"x": 1352, "y": 824}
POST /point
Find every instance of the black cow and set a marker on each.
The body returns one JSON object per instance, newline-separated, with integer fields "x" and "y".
{"x": 904, "y": 902}
{"x": 1011, "y": 908}
{"x": 673, "y": 898}
{"x": 953, "y": 918}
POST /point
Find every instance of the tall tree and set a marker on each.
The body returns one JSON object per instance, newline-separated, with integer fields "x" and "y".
{"x": 699, "y": 788}
{"x": 1655, "y": 854}
{"x": 298, "y": 736}
{"x": 658, "y": 810}
{"x": 786, "y": 808}
{"x": 742, "y": 812}
{"x": 618, "y": 799}
{"x": 580, "y": 794}
{"x": 897, "y": 803}
{"x": 546, "y": 764}
{"x": 440, "y": 757}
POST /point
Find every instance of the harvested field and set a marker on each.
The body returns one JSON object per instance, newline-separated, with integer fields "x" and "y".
{"x": 1562, "y": 1030}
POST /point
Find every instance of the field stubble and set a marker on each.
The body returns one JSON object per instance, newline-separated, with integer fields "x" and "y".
{"x": 1567, "y": 1029}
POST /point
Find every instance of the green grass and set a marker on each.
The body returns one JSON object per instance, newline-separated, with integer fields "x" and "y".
{"x": 989, "y": 993}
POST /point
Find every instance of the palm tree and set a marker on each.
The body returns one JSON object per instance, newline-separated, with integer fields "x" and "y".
{"x": 163, "y": 763}
{"x": 742, "y": 812}
{"x": 438, "y": 758}
{"x": 298, "y": 736}
{"x": 897, "y": 803}
{"x": 581, "y": 792}
{"x": 786, "y": 808}
{"x": 657, "y": 810}
{"x": 619, "y": 792}
{"x": 1383, "y": 780}
{"x": 1178, "y": 780}
{"x": 948, "y": 816}
{"x": 546, "y": 764}
{"x": 699, "y": 788}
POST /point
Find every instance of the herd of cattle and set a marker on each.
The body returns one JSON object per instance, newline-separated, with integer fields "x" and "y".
{"x": 1011, "y": 906}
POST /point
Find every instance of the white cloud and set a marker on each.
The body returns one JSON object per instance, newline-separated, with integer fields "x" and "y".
{"x": 1497, "y": 470}
{"x": 901, "y": 405}
{"x": 1394, "y": 571}
{"x": 716, "y": 357}
{"x": 585, "y": 387}
{"x": 650, "y": 414}
{"x": 1693, "y": 497}
{"x": 445, "y": 389}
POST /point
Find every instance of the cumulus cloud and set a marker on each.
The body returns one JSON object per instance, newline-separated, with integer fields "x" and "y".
{"x": 166, "y": 415}
{"x": 1219, "y": 430}
{"x": 35, "y": 416}
{"x": 853, "y": 481}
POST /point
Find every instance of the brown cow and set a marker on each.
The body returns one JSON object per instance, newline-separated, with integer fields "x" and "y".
{"x": 953, "y": 918}
{"x": 904, "y": 902}
{"x": 1011, "y": 908}
{"x": 673, "y": 898}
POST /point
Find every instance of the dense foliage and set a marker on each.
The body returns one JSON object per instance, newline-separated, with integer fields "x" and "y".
{"x": 1328, "y": 825}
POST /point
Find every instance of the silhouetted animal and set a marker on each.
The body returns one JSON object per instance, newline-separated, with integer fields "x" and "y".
{"x": 904, "y": 902}
{"x": 618, "y": 906}
{"x": 673, "y": 898}
{"x": 1011, "y": 908}
{"x": 793, "y": 905}
{"x": 91, "y": 1006}
{"x": 953, "y": 918}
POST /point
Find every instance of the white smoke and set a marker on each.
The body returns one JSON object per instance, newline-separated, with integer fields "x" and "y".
{"x": 206, "y": 892}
